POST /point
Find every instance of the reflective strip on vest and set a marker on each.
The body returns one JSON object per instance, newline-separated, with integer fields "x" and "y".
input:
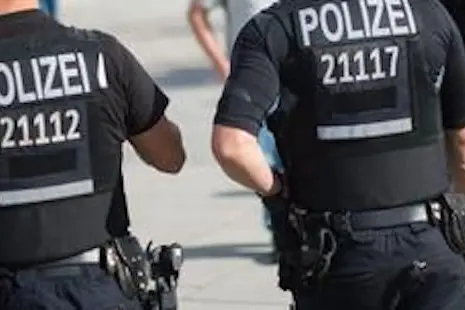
{"x": 33, "y": 195}
{"x": 376, "y": 129}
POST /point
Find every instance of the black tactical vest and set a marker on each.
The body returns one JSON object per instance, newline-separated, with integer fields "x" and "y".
{"x": 57, "y": 167}
{"x": 366, "y": 131}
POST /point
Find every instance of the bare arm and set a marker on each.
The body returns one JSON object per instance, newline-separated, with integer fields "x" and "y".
{"x": 456, "y": 158}
{"x": 140, "y": 111}
{"x": 248, "y": 95}
{"x": 198, "y": 20}
{"x": 239, "y": 155}
{"x": 453, "y": 108}
{"x": 161, "y": 146}
{"x": 156, "y": 139}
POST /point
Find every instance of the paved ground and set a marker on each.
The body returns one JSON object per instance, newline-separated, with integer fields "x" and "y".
{"x": 216, "y": 221}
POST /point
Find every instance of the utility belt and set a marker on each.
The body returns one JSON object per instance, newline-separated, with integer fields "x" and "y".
{"x": 150, "y": 275}
{"x": 320, "y": 235}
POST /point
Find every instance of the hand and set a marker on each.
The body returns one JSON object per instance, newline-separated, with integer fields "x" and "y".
{"x": 223, "y": 70}
{"x": 278, "y": 188}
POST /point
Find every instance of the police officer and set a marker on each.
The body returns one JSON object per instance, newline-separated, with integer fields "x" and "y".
{"x": 379, "y": 88}
{"x": 69, "y": 98}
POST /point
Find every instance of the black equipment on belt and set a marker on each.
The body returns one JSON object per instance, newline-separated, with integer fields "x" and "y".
{"x": 451, "y": 216}
{"x": 278, "y": 208}
{"x": 321, "y": 235}
{"x": 166, "y": 262}
{"x": 150, "y": 275}
{"x": 303, "y": 266}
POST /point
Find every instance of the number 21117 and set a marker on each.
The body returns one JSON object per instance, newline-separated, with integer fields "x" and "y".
{"x": 359, "y": 60}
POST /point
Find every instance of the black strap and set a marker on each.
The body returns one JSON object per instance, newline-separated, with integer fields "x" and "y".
{"x": 134, "y": 258}
{"x": 390, "y": 217}
{"x": 363, "y": 220}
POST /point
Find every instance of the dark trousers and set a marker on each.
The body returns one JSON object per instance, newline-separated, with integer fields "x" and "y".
{"x": 368, "y": 273}
{"x": 66, "y": 288}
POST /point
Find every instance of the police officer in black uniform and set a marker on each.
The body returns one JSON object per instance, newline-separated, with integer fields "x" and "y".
{"x": 379, "y": 95}
{"x": 69, "y": 98}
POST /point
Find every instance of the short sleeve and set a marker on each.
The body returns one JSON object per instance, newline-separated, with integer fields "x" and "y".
{"x": 147, "y": 102}
{"x": 254, "y": 82}
{"x": 136, "y": 103}
{"x": 453, "y": 90}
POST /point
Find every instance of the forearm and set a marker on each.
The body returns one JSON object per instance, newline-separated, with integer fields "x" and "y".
{"x": 245, "y": 164}
{"x": 458, "y": 179}
{"x": 178, "y": 153}
{"x": 456, "y": 162}
{"x": 161, "y": 146}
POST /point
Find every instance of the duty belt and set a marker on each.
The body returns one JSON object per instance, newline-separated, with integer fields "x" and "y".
{"x": 376, "y": 219}
{"x": 69, "y": 266}
{"x": 320, "y": 233}
{"x": 92, "y": 256}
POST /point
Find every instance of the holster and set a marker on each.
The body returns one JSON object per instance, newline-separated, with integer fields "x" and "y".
{"x": 305, "y": 246}
{"x": 166, "y": 261}
{"x": 126, "y": 261}
{"x": 149, "y": 275}
{"x": 286, "y": 240}
{"x": 452, "y": 221}
{"x": 307, "y": 253}
{"x": 286, "y": 237}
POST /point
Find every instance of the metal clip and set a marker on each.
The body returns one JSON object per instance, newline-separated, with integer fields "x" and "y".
{"x": 328, "y": 248}
{"x": 340, "y": 222}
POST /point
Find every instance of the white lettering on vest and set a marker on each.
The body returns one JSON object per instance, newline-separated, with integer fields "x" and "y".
{"x": 380, "y": 18}
{"x": 6, "y": 99}
{"x": 48, "y": 77}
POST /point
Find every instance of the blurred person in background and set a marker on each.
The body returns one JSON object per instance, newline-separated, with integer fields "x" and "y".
{"x": 237, "y": 13}
{"x": 50, "y": 7}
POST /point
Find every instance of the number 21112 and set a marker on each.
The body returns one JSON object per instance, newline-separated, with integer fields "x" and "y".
{"x": 25, "y": 125}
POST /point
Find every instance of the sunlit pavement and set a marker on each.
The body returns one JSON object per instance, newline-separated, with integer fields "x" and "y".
{"x": 218, "y": 223}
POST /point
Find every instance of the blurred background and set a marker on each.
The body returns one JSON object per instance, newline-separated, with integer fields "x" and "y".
{"x": 219, "y": 224}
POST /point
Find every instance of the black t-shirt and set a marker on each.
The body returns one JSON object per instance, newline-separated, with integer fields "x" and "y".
{"x": 133, "y": 102}
{"x": 138, "y": 104}
{"x": 264, "y": 61}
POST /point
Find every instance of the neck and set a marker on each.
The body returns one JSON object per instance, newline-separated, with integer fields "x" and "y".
{"x": 14, "y": 6}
